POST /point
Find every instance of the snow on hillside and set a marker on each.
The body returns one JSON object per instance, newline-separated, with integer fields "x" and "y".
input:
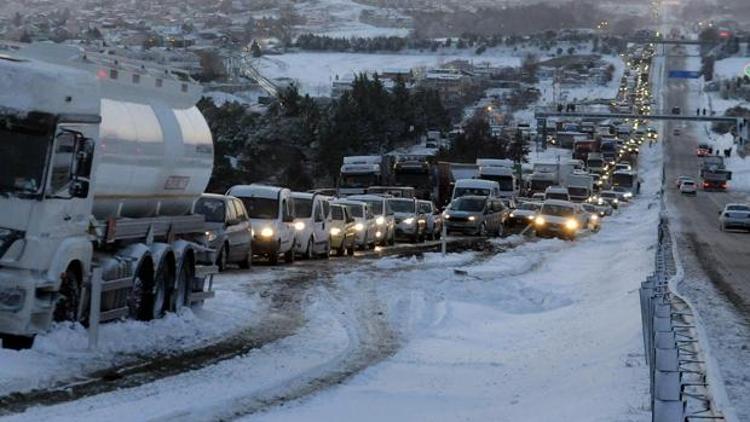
{"x": 341, "y": 18}
{"x": 315, "y": 72}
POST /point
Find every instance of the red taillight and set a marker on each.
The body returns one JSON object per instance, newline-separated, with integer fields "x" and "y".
{"x": 706, "y": 184}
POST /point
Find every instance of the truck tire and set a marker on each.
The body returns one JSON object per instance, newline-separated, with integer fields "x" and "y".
{"x": 16, "y": 342}
{"x": 183, "y": 285}
{"x": 157, "y": 297}
{"x": 273, "y": 259}
{"x": 139, "y": 296}
{"x": 66, "y": 307}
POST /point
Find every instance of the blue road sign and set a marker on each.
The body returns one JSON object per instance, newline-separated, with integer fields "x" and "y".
{"x": 685, "y": 74}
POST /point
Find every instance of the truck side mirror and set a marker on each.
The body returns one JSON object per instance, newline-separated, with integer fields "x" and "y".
{"x": 79, "y": 188}
{"x": 287, "y": 219}
{"x": 84, "y": 156}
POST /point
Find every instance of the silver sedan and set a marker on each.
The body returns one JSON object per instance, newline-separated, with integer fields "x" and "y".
{"x": 735, "y": 216}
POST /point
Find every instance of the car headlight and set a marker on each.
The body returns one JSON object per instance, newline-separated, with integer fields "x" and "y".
{"x": 335, "y": 231}
{"x": 594, "y": 217}
{"x": 571, "y": 224}
{"x": 380, "y": 221}
{"x": 540, "y": 221}
{"x": 359, "y": 227}
{"x": 299, "y": 226}
{"x": 210, "y": 235}
{"x": 531, "y": 217}
{"x": 512, "y": 215}
{"x": 628, "y": 195}
{"x": 447, "y": 216}
{"x": 409, "y": 221}
{"x": 266, "y": 232}
{"x": 378, "y": 234}
{"x": 615, "y": 201}
{"x": 472, "y": 218}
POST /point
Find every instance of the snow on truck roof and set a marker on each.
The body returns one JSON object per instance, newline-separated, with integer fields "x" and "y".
{"x": 476, "y": 183}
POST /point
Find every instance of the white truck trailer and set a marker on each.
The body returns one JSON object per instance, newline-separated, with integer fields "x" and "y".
{"x": 103, "y": 159}
{"x": 363, "y": 171}
{"x": 500, "y": 171}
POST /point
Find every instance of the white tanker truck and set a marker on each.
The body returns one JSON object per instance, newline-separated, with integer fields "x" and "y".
{"x": 102, "y": 161}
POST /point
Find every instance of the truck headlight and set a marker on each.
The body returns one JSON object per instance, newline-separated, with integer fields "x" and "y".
{"x": 335, "y": 231}
{"x": 571, "y": 224}
{"x": 299, "y": 226}
{"x": 359, "y": 227}
{"x": 378, "y": 234}
{"x": 210, "y": 236}
{"x": 266, "y": 232}
{"x": 380, "y": 221}
{"x": 409, "y": 221}
{"x": 540, "y": 221}
{"x": 12, "y": 299}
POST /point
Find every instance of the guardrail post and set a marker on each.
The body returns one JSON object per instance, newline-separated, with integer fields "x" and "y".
{"x": 95, "y": 308}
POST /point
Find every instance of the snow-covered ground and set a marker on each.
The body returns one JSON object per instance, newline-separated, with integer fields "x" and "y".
{"x": 548, "y": 330}
{"x": 315, "y": 72}
{"x": 341, "y": 18}
{"x": 731, "y": 67}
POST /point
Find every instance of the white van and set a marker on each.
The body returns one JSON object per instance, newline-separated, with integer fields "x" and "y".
{"x": 311, "y": 225}
{"x": 475, "y": 187}
{"x": 384, "y": 218}
{"x": 271, "y": 212}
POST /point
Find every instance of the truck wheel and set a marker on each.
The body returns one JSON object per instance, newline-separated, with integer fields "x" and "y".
{"x": 183, "y": 286}
{"x": 66, "y": 308}
{"x": 16, "y": 342}
{"x": 157, "y": 298}
{"x": 273, "y": 259}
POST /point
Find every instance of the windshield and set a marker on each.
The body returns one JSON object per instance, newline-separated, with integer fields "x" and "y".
{"x": 425, "y": 207}
{"x": 23, "y": 148}
{"x": 540, "y": 185}
{"x": 608, "y": 195}
{"x": 212, "y": 208}
{"x": 413, "y": 179}
{"x": 596, "y": 163}
{"x": 556, "y": 195}
{"x": 528, "y": 206}
{"x": 337, "y": 213}
{"x": 624, "y": 180}
{"x": 738, "y": 208}
{"x": 261, "y": 208}
{"x": 356, "y": 211}
{"x": 557, "y": 210}
{"x": 303, "y": 207}
{"x": 376, "y": 205}
{"x": 469, "y": 204}
{"x": 402, "y": 205}
{"x": 358, "y": 180}
{"x": 505, "y": 182}
{"x": 459, "y": 192}
{"x": 575, "y": 191}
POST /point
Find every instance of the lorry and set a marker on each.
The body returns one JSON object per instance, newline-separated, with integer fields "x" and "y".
{"x": 580, "y": 186}
{"x": 414, "y": 171}
{"x": 583, "y": 147}
{"x": 105, "y": 158}
{"x": 595, "y": 162}
{"x": 608, "y": 148}
{"x": 445, "y": 179}
{"x": 713, "y": 173}
{"x": 362, "y": 171}
{"x": 548, "y": 174}
{"x": 500, "y": 171}
{"x": 567, "y": 139}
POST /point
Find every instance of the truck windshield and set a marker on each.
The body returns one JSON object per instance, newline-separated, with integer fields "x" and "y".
{"x": 557, "y": 210}
{"x": 624, "y": 180}
{"x": 212, "y": 208}
{"x": 596, "y": 163}
{"x": 403, "y": 205}
{"x": 578, "y": 191}
{"x": 261, "y": 208}
{"x": 303, "y": 207}
{"x": 505, "y": 182}
{"x": 358, "y": 180}
{"x": 413, "y": 178}
{"x": 469, "y": 204}
{"x": 556, "y": 195}
{"x": 23, "y": 146}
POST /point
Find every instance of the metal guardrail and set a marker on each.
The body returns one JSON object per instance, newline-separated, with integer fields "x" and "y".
{"x": 680, "y": 391}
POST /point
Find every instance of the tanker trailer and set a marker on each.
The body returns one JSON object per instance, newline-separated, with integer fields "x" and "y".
{"x": 103, "y": 160}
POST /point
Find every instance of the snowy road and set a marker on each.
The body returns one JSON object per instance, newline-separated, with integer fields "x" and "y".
{"x": 545, "y": 330}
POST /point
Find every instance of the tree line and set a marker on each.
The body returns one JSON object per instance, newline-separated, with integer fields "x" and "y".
{"x": 300, "y": 142}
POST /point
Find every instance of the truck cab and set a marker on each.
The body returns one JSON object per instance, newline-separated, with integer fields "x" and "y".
{"x": 476, "y": 187}
{"x": 360, "y": 172}
{"x": 271, "y": 212}
{"x": 500, "y": 171}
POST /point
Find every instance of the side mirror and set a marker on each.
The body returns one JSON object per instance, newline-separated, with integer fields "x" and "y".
{"x": 84, "y": 156}
{"x": 349, "y": 220}
{"x": 79, "y": 189}
{"x": 288, "y": 219}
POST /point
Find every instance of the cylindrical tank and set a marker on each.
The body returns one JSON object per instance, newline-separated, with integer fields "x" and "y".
{"x": 152, "y": 159}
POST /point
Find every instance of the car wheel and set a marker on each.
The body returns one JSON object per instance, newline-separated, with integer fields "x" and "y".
{"x": 722, "y": 228}
{"x": 246, "y": 263}
{"x": 221, "y": 260}
{"x": 290, "y": 256}
{"x": 501, "y": 230}
{"x": 393, "y": 238}
{"x": 341, "y": 251}
{"x": 273, "y": 259}
{"x": 482, "y": 230}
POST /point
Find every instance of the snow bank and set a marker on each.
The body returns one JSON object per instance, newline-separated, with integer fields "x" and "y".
{"x": 731, "y": 67}
{"x": 63, "y": 353}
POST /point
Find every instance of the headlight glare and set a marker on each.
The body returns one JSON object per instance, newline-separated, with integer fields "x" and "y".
{"x": 266, "y": 232}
